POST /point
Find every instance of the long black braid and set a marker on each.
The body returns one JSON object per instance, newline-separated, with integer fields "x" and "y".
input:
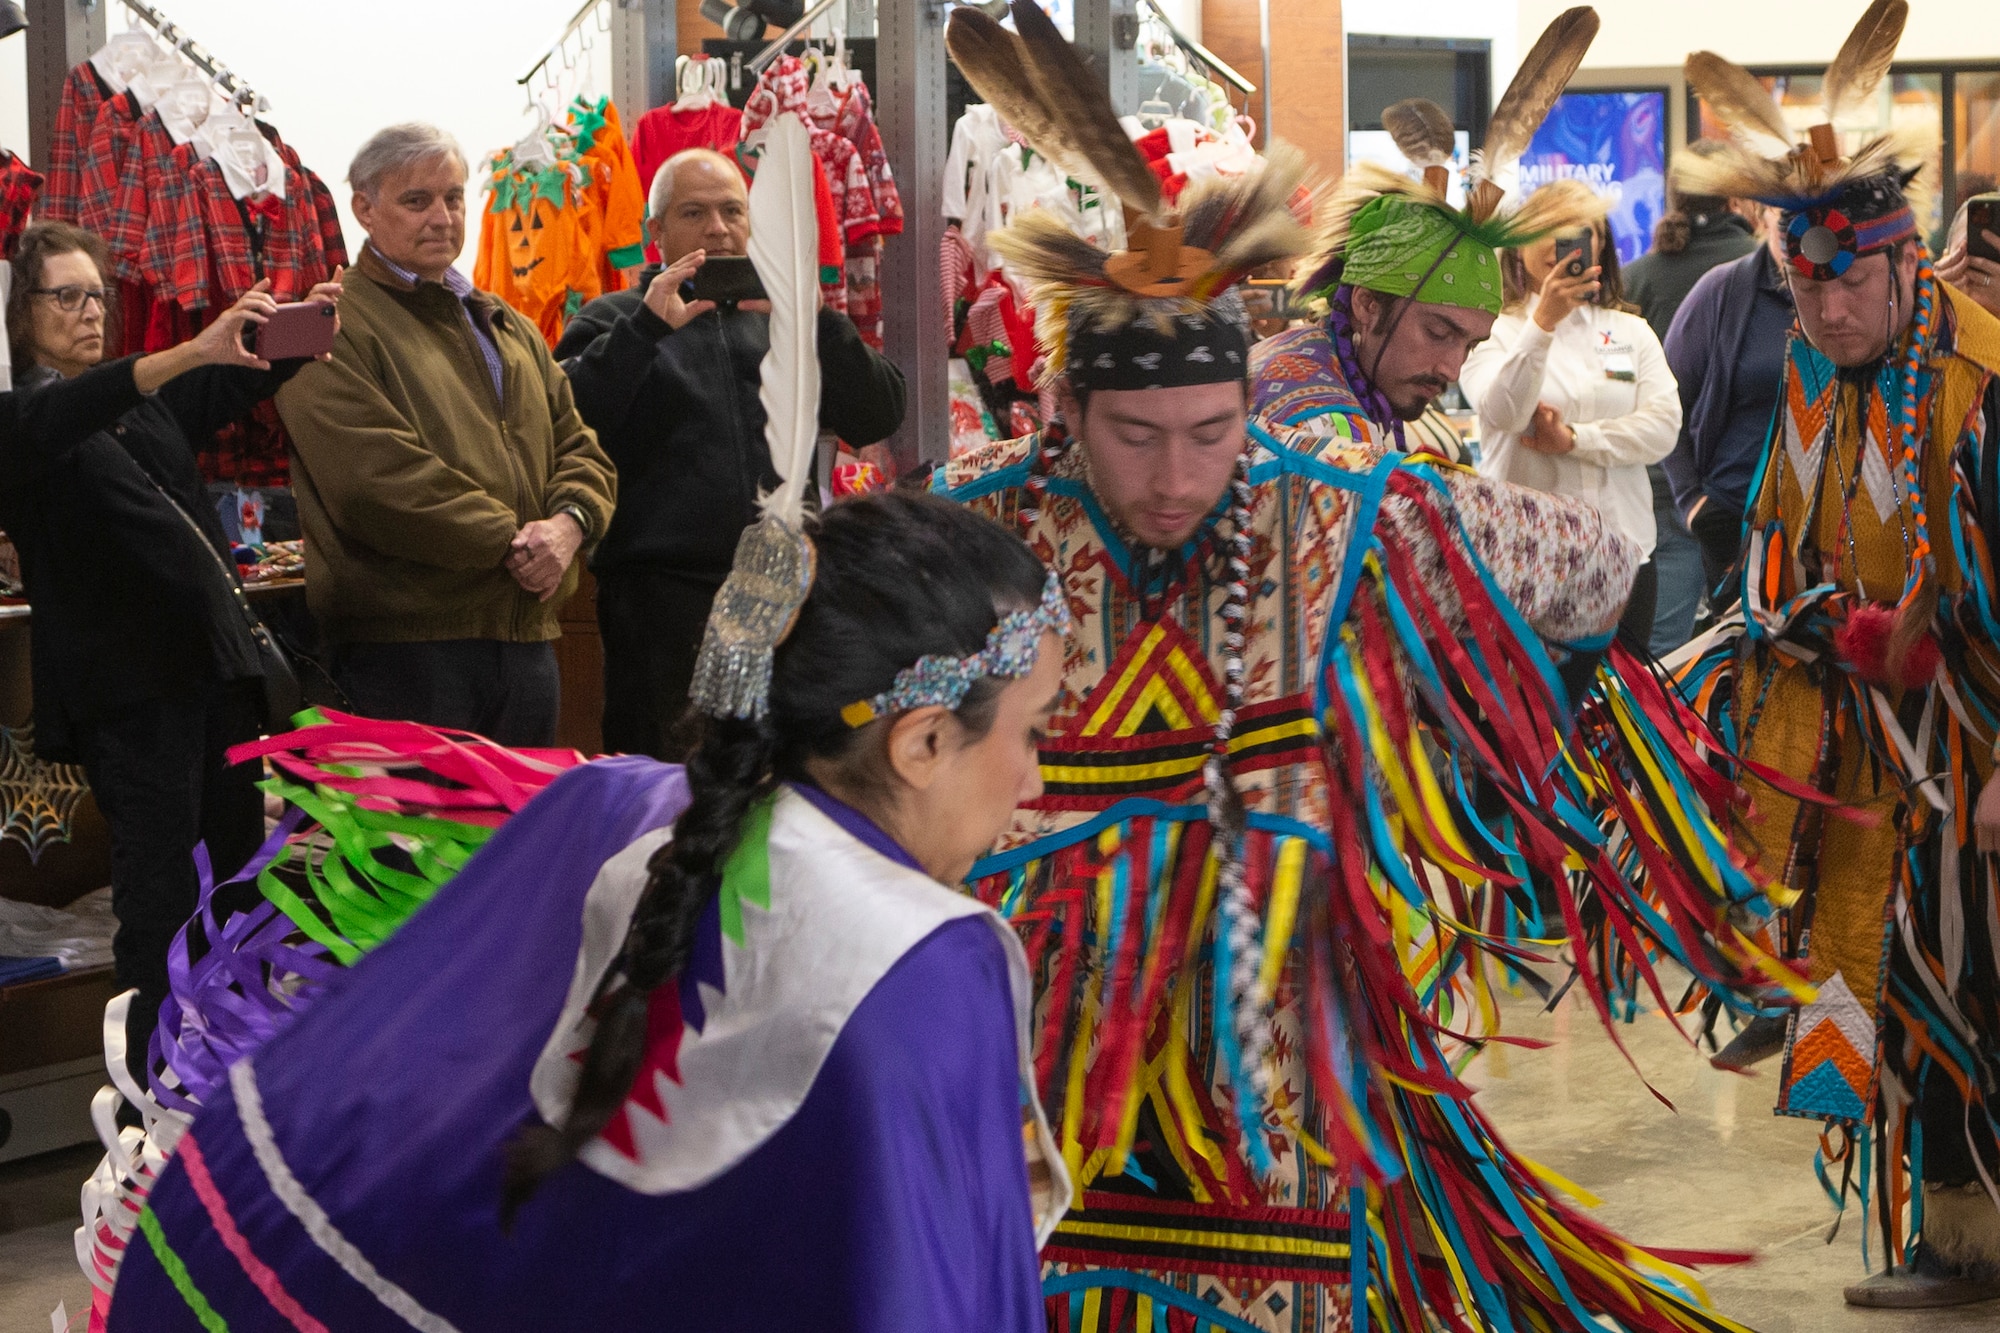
{"x": 900, "y": 576}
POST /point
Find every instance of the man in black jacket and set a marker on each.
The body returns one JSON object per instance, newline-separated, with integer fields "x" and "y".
{"x": 670, "y": 386}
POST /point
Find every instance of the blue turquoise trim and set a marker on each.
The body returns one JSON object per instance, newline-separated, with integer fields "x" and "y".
{"x": 1000, "y": 479}
{"x": 1206, "y": 1315}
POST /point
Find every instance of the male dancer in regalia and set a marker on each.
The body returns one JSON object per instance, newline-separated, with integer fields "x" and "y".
{"x": 1869, "y": 668}
{"x": 1250, "y": 893}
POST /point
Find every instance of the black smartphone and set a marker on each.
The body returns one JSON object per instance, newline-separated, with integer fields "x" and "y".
{"x": 1574, "y": 254}
{"x": 728, "y": 280}
{"x": 1982, "y": 214}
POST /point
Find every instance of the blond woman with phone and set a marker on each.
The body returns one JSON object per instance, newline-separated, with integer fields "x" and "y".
{"x": 1573, "y": 392}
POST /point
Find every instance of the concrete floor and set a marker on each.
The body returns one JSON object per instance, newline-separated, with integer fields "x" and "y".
{"x": 1720, "y": 1173}
{"x": 39, "y": 1215}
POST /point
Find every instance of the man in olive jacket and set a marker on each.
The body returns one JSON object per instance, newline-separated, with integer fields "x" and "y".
{"x": 446, "y": 482}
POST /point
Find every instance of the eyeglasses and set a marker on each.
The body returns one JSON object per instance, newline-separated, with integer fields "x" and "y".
{"x": 72, "y": 298}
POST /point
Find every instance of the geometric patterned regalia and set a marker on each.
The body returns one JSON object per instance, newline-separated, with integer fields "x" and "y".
{"x": 1867, "y": 666}
{"x": 1896, "y": 921}
{"x": 1384, "y": 587}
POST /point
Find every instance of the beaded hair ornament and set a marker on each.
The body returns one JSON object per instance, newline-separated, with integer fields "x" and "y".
{"x": 939, "y": 678}
{"x": 759, "y": 602}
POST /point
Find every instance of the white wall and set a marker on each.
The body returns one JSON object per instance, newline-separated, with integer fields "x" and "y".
{"x": 14, "y": 95}
{"x": 335, "y": 71}
{"x": 1766, "y": 32}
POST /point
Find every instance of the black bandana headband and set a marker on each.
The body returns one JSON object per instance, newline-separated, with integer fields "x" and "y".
{"x": 1195, "y": 349}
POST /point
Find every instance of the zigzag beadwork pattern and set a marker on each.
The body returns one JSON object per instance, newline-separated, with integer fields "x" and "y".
{"x": 1830, "y": 1069}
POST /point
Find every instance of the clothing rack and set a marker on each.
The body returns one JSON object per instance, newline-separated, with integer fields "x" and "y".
{"x": 193, "y": 52}
{"x": 569, "y": 30}
{"x": 775, "y": 49}
{"x": 1196, "y": 51}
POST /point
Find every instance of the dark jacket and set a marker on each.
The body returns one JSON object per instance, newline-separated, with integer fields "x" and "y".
{"x": 128, "y": 605}
{"x": 42, "y": 421}
{"x": 1657, "y": 283}
{"x": 678, "y": 413}
{"x": 1727, "y": 349}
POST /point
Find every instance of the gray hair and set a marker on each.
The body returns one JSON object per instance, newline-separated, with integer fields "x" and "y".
{"x": 396, "y": 148}
{"x": 661, "y": 197}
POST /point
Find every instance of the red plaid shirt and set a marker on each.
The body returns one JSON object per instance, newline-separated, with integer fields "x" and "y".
{"x": 271, "y": 238}
{"x": 279, "y": 239}
{"x": 110, "y": 147}
{"x": 148, "y": 148}
{"x": 252, "y": 452}
{"x": 332, "y": 243}
{"x": 173, "y": 253}
{"x": 76, "y": 112}
{"x": 19, "y": 184}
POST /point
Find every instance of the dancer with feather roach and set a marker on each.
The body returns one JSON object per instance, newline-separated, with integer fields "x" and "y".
{"x": 1866, "y": 665}
{"x": 1255, "y": 904}
{"x": 1411, "y": 282}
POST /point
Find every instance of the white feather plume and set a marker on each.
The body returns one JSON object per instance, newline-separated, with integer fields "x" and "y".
{"x": 784, "y": 247}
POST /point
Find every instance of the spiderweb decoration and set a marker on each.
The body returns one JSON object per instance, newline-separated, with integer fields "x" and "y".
{"x": 37, "y": 798}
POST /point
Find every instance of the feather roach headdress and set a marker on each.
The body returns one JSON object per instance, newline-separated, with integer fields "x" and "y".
{"x": 1403, "y": 237}
{"x": 1161, "y": 311}
{"x": 1837, "y": 207}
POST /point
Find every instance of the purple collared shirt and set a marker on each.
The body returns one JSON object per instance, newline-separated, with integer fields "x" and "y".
{"x": 460, "y": 286}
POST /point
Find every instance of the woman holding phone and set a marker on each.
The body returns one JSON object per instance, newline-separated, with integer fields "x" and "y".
{"x": 144, "y": 663}
{"x": 1971, "y": 260}
{"x": 1573, "y": 392}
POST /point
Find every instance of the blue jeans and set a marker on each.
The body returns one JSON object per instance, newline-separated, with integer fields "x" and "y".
{"x": 1677, "y": 555}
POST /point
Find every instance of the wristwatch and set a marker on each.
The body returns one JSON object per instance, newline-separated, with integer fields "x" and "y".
{"x": 576, "y": 512}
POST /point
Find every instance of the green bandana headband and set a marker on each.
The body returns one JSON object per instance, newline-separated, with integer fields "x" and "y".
{"x": 1394, "y": 244}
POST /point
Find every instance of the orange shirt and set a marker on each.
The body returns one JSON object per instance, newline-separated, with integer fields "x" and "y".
{"x": 617, "y": 192}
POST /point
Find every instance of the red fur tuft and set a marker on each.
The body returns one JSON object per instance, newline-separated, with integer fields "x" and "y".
{"x": 1864, "y": 644}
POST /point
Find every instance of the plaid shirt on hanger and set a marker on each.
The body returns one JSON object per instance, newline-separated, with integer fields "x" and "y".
{"x": 112, "y": 137}
{"x": 124, "y": 228}
{"x": 173, "y": 255}
{"x": 264, "y": 237}
{"x": 83, "y": 92}
{"x": 19, "y": 186}
{"x": 248, "y": 240}
{"x": 332, "y": 242}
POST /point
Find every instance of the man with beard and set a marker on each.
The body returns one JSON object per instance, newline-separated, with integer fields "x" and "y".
{"x": 1868, "y": 668}
{"x": 1412, "y": 285}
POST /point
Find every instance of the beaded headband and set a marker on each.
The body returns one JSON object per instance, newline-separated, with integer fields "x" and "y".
{"x": 940, "y": 678}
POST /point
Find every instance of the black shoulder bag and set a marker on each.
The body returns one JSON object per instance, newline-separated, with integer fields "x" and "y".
{"x": 283, "y": 696}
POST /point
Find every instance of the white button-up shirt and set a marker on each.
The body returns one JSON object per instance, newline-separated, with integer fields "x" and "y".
{"x": 1603, "y": 370}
